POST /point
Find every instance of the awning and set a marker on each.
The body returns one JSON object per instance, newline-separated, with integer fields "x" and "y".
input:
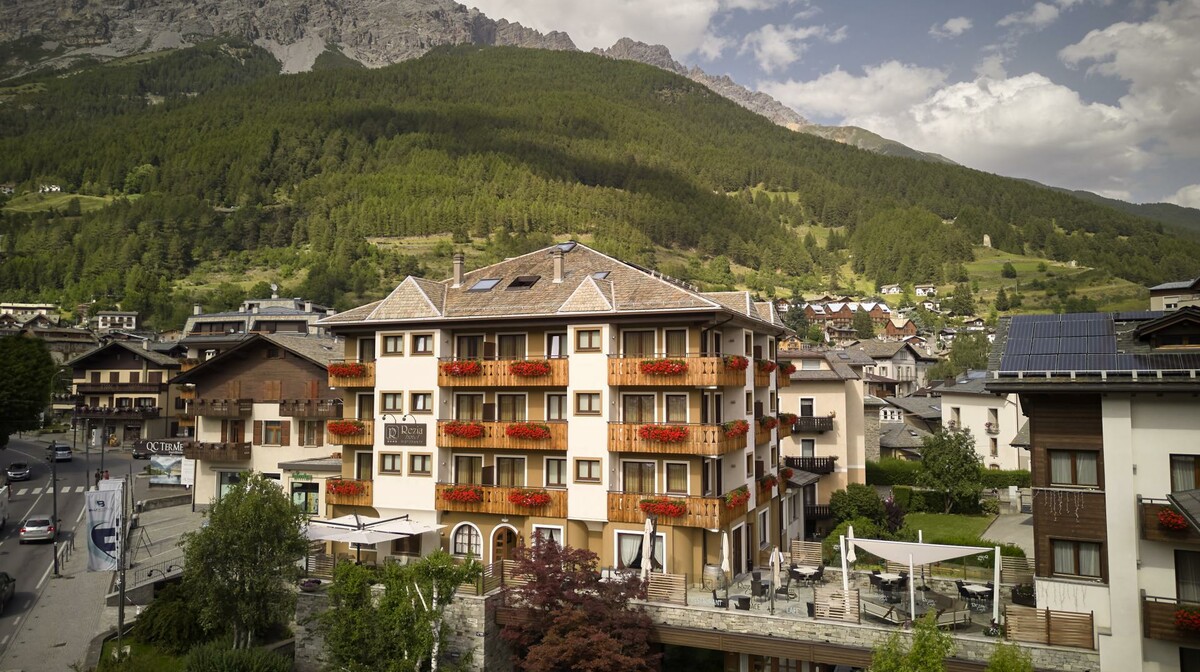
{"x": 919, "y": 553}
{"x": 799, "y": 479}
{"x": 1188, "y": 503}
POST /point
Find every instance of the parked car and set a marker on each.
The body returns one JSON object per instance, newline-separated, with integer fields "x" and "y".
{"x": 38, "y": 528}
{"x": 140, "y": 451}
{"x": 18, "y": 471}
{"x": 8, "y": 586}
{"x": 59, "y": 452}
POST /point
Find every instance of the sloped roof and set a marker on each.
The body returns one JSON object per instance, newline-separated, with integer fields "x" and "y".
{"x": 319, "y": 350}
{"x": 157, "y": 358}
{"x": 898, "y": 435}
{"x": 1178, "y": 284}
{"x": 969, "y": 382}
{"x": 926, "y": 408}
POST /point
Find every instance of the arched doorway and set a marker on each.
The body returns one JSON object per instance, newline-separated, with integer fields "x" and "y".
{"x": 504, "y": 543}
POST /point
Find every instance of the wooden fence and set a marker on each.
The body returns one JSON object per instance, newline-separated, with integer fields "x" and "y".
{"x": 806, "y": 553}
{"x": 1015, "y": 570}
{"x": 668, "y": 588}
{"x": 833, "y": 604}
{"x": 1055, "y": 628}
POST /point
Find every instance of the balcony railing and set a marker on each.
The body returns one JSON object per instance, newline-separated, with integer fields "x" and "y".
{"x": 495, "y": 435}
{"x": 817, "y": 512}
{"x": 367, "y": 379}
{"x": 813, "y": 465}
{"x": 1153, "y": 530}
{"x": 761, "y": 378}
{"x": 707, "y": 512}
{"x": 217, "y": 452}
{"x": 496, "y": 499}
{"x": 364, "y": 438}
{"x": 784, "y": 429}
{"x": 992, "y": 429}
{"x": 121, "y": 412}
{"x": 701, "y": 371}
{"x": 323, "y": 409}
{"x": 357, "y": 493}
{"x": 223, "y": 408}
{"x": 806, "y": 424}
{"x": 122, "y": 388}
{"x": 1158, "y": 620}
{"x": 503, "y": 373}
{"x": 708, "y": 440}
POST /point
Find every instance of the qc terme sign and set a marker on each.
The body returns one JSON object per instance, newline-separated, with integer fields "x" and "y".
{"x": 404, "y": 434}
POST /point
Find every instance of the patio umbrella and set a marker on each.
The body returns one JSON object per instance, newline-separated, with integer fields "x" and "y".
{"x": 851, "y": 556}
{"x": 725, "y": 567}
{"x": 360, "y": 530}
{"x": 647, "y": 548}
{"x": 775, "y": 556}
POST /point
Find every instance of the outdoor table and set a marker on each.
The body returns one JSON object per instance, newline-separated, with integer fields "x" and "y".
{"x": 976, "y": 590}
{"x": 805, "y": 572}
{"x": 888, "y": 576}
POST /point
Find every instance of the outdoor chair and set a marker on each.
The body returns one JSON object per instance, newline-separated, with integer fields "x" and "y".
{"x": 719, "y": 602}
{"x": 819, "y": 577}
{"x": 876, "y": 581}
{"x": 758, "y": 590}
{"x": 783, "y": 592}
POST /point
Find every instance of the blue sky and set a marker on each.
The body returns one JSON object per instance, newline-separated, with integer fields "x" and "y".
{"x": 1101, "y": 95}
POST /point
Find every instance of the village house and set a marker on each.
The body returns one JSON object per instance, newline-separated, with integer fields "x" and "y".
{"x": 1175, "y": 295}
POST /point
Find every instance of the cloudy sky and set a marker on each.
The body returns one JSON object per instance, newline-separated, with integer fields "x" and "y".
{"x": 1102, "y": 95}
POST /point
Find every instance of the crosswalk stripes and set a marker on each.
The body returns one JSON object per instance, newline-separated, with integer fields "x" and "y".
{"x": 66, "y": 490}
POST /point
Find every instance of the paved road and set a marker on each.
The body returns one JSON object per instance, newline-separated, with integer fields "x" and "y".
{"x": 32, "y": 564}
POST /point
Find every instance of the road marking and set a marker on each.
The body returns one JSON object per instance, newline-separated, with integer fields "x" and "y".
{"x": 37, "y": 491}
{"x": 22, "y": 492}
{"x": 66, "y": 490}
{"x": 79, "y": 488}
{"x": 80, "y": 516}
{"x": 4, "y": 642}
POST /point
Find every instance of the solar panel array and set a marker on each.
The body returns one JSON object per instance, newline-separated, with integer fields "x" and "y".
{"x": 1082, "y": 343}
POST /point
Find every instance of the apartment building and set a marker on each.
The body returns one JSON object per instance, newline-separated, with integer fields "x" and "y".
{"x": 567, "y": 394}
{"x": 120, "y": 390}
{"x": 1175, "y": 295}
{"x": 206, "y": 335}
{"x": 992, "y": 419}
{"x": 1113, "y": 426}
{"x": 898, "y": 361}
{"x": 264, "y": 405}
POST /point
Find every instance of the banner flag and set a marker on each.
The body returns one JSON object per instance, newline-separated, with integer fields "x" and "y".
{"x": 103, "y": 527}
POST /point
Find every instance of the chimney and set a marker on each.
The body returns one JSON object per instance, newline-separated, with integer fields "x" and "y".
{"x": 949, "y": 382}
{"x": 197, "y": 309}
{"x": 308, "y": 306}
{"x": 558, "y": 264}
{"x": 458, "y": 270}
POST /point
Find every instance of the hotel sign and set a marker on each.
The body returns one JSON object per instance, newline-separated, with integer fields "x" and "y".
{"x": 403, "y": 434}
{"x": 158, "y": 447}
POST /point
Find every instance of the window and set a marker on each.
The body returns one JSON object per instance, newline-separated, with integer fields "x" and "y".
{"x": 771, "y": 398}
{"x": 548, "y": 533}
{"x": 749, "y": 403}
{"x": 587, "y": 471}
{"x": 510, "y": 472}
{"x": 523, "y": 282}
{"x": 391, "y": 401}
{"x": 421, "y": 402}
{"x": 468, "y": 470}
{"x": 764, "y": 528}
{"x": 556, "y": 407}
{"x": 305, "y": 496}
{"x": 420, "y": 464}
{"x": 225, "y": 482}
{"x": 510, "y": 346}
{"x": 468, "y": 407}
{"x": 484, "y": 285}
{"x": 393, "y": 345}
{"x": 630, "y": 553}
{"x": 1187, "y": 576}
{"x": 556, "y": 345}
{"x": 994, "y": 447}
{"x": 556, "y": 472}
{"x": 600, "y": 275}
{"x": 587, "y": 403}
{"x": 808, "y": 447}
{"x": 468, "y": 347}
{"x": 422, "y": 344}
{"x": 677, "y": 478}
{"x": 795, "y": 501}
{"x": 466, "y": 541}
{"x": 676, "y": 342}
{"x": 1073, "y": 467}
{"x": 810, "y": 365}
{"x": 637, "y": 343}
{"x": 410, "y": 545}
{"x": 587, "y": 340}
{"x": 1183, "y": 472}
{"x": 638, "y": 477}
{"x": 391, "y": 463}
{"x": 807, "y": 407}
{"x": 677, "y": 408}
{"x": 311, "y": 432}
{"x": 1076, "y": 558}
{"x": 511, "y": 407}
{"x": 273, "y": 433}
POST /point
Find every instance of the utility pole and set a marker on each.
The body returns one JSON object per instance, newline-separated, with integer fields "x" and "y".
{"x": 122, "y": 535}
{"x": 54, "y": 499}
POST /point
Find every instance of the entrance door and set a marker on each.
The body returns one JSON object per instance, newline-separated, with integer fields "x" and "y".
{"x": 735, "y": 548}
{"x": 504, "y": 542}
{"x": 362, "y": 465}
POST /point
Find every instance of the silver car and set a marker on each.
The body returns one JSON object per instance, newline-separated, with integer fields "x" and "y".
{"x": 37, "y": 529}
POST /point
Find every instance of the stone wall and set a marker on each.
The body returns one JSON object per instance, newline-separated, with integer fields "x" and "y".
{"x": 310, "y": 646}
{"x": 871, "y": 433}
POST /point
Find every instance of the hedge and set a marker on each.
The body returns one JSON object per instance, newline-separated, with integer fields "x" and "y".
{"x": 890, "y": 471}
{"x": 996, "y": 478}
{"x": 917, "y": 501}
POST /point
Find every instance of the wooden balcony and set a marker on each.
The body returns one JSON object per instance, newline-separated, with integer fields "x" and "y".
{"x": 495, "y": 436}
{"x": 317, "y": 409}
{"x": 498, "y": 373}
{"x": 707, "y": 512}
{"x": 783, "y": 380}
{"x": 217, "y": 452}
{"x": 813, "y": 424}
{"x": 361, "y": 498}
{"x": 367, "y": 379}
{"x": 1158, "y": 620}
{"x": 817, "y": 512}
{"x": 118, "y": 412}
{"x": 495, "y": 500}
{"x": 223, "y": 408}
{"x": 701, "y": 372}
{"x": 813, "y": 465}
{"x": 708, "y": 440}
{"x": 366, "y": 438}
{"x": 118, "y": 388}
{"x": 1152, "y": 530}
{"x": 761, "y": 379}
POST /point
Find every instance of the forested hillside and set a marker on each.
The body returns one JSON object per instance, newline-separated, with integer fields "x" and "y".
{"x": 212, "y": 156}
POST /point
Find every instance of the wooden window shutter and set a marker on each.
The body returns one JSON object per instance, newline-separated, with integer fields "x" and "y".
{"x": 156, "y": 377}
{"x": 758, "y": 409}
{"x": 114, "y": 377}
{"x": 489, "y": 350}
{"x": 320, "y": 432}
{"x": 273, "y": 390}
{"x": 287, "y": 433}
{"x": 258, "y": 432}
{"x": 313, "y": 392}
{"x": 224, "y": 431}
{"x": 758, "y": 469}
{"x": 235, "y": 389}
{"x": 758, "y": 352}
{"x": 489, "y": 412}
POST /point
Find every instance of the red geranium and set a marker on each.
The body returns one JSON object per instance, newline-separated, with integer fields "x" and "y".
{"x": 788, "y": 418}
{"x": 346, "y": 427}
{"x": 787, "y": 369}
{"x": 736, "y": 428}
{"x": 527, "y": 430}
{"x": 465, "y": 494}
{"x": 663, "y": 506}
{"x": 466, "y": 367}
{"x": 347, "y": 369}
{"x": 736, "y": 362}
{"x": 529, "y": 498}
{"x": 1188, "y": 618}
{"x": 530, "y": 369}
{"x": 768, "y": 422}
{"x": 768, "y": 481}
{"x": 785, "y": 473}
{"x": 664, "y": 433}
{"x": 463, "y": 430}
{"x": 338, "y": 486}
{"x": 767, "y": 366}
{"x": 664, "y": 367}
{"x": 1172, "y": 520}
{"x": 736, "y": 498}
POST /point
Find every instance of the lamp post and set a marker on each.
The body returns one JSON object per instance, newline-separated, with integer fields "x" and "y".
{"x": 54, "y": 499}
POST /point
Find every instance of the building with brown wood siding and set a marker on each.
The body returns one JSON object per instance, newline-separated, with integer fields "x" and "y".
{"x": 1114, "y": 416}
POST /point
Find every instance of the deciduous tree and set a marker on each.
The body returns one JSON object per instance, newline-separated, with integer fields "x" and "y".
{"x": 25, "y": 384}
{"x": 1009, "y": 658}
{"x": 950, "y": 465}
{"x": 927, "y": 652}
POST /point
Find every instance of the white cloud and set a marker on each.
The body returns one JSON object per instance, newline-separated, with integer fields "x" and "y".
{"x": 1188, "y": 197}
{"x": 1038, "y": 17}
{"x": 951, "y": 28}
{"x": 882, "y": 88}
{"x": 992, "y": 66}
{"x": 775, "y": 46}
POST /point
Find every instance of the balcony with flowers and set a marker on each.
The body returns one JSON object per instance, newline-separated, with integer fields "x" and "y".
{"x": 351, "y": 373}
{"x": 676, "y": 371}
{"x": 501, "y": 500}
{"x": 784, "y": 374}
{"x": 1161, "y": 521}
{"x": 677, "y": 438}
{"x": 348, "y": 492}
{"x": 551, "y": 372}
{"x": 350, "y": 432}
{"x": 681, "y": 510}
{"x": 504, "y": 435}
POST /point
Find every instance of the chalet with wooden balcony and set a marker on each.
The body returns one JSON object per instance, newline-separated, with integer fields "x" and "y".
{"x": 551, "y": 393}
{"x": 263, "y": 403}
{"x": 1112, "y": 418}
{"x": 122, "y": 393}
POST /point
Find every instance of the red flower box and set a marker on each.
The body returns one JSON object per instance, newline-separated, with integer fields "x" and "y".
{"x": 338, "y": 486}
{"x": 527, "y": 430}
{"x": 530, "y": 369}
{"x": 735, "y": 498}
{"x": 768, "y": 481}
{"x": 1188, "y": 618}
{"x": 736, "y": 428}
{"x": 529, "y": 498}
{"x": 466, "y": 367}
{"x": 767, "y": 366}
{"x": 663, "y": 433}
{"x": 787, "y": 369}
{"x": 785, "y": 473}
{"x": 347, "y": 369}
{"x": 788, "y": 418}
{"x": 463, "y": 430}
{"x": 736, "y": 362}
{"x": 345, "y": 427}
{"x": 1171, "y": 519}
{"x": 768, "y": 422}
{"x": 464, "y": 494}
{"x": 664, "y": 367}
{"x": 663, "y": 506}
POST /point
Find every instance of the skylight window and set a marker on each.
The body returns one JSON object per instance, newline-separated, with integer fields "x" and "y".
{"x": 566, "y": 247}
{"x": 484, "y": 285}
{"x": 600, "y": 275}
{"x": 523, "y": 282}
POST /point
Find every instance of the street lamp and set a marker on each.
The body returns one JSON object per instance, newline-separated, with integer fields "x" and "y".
{"x": 54, "y": 499}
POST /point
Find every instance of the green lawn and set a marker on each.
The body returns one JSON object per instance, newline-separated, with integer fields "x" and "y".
{"x": 948, "y": 525}
{"x": 147, "y": 657}
{"x": 57, "y": 201}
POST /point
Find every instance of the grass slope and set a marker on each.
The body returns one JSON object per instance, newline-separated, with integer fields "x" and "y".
{"x": 35, "y": 202}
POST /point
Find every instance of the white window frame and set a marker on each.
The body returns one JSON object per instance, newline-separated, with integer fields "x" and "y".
{"x": 621, "y": 473}
{"x": 660, "y": 542}
{"x": 513, "y": 456}
{"x": 566, "y": 408}
{"x": 555, "y": 528}
{"x": 454, "y": 543}
{"x": 524, "y": 355}
{"x": 764, "y": 526}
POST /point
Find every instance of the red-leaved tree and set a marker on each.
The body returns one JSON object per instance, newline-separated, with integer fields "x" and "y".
{"x": 572, "y": 620}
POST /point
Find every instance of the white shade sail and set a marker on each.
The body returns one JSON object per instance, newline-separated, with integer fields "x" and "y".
{"x": 921, "y": 554}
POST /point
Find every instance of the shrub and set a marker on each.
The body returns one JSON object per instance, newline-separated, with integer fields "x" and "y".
{"x": 218, "y": 657}
{"x": 908, "y": 500}
{"x": 863, "y": 529}
{"x": 857, "y": 501}
{"x": 170, "y": 622}
{"x": 989, "y": 507}
{"x": 997, "y": 478}
{"x": 890, "y": 471}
